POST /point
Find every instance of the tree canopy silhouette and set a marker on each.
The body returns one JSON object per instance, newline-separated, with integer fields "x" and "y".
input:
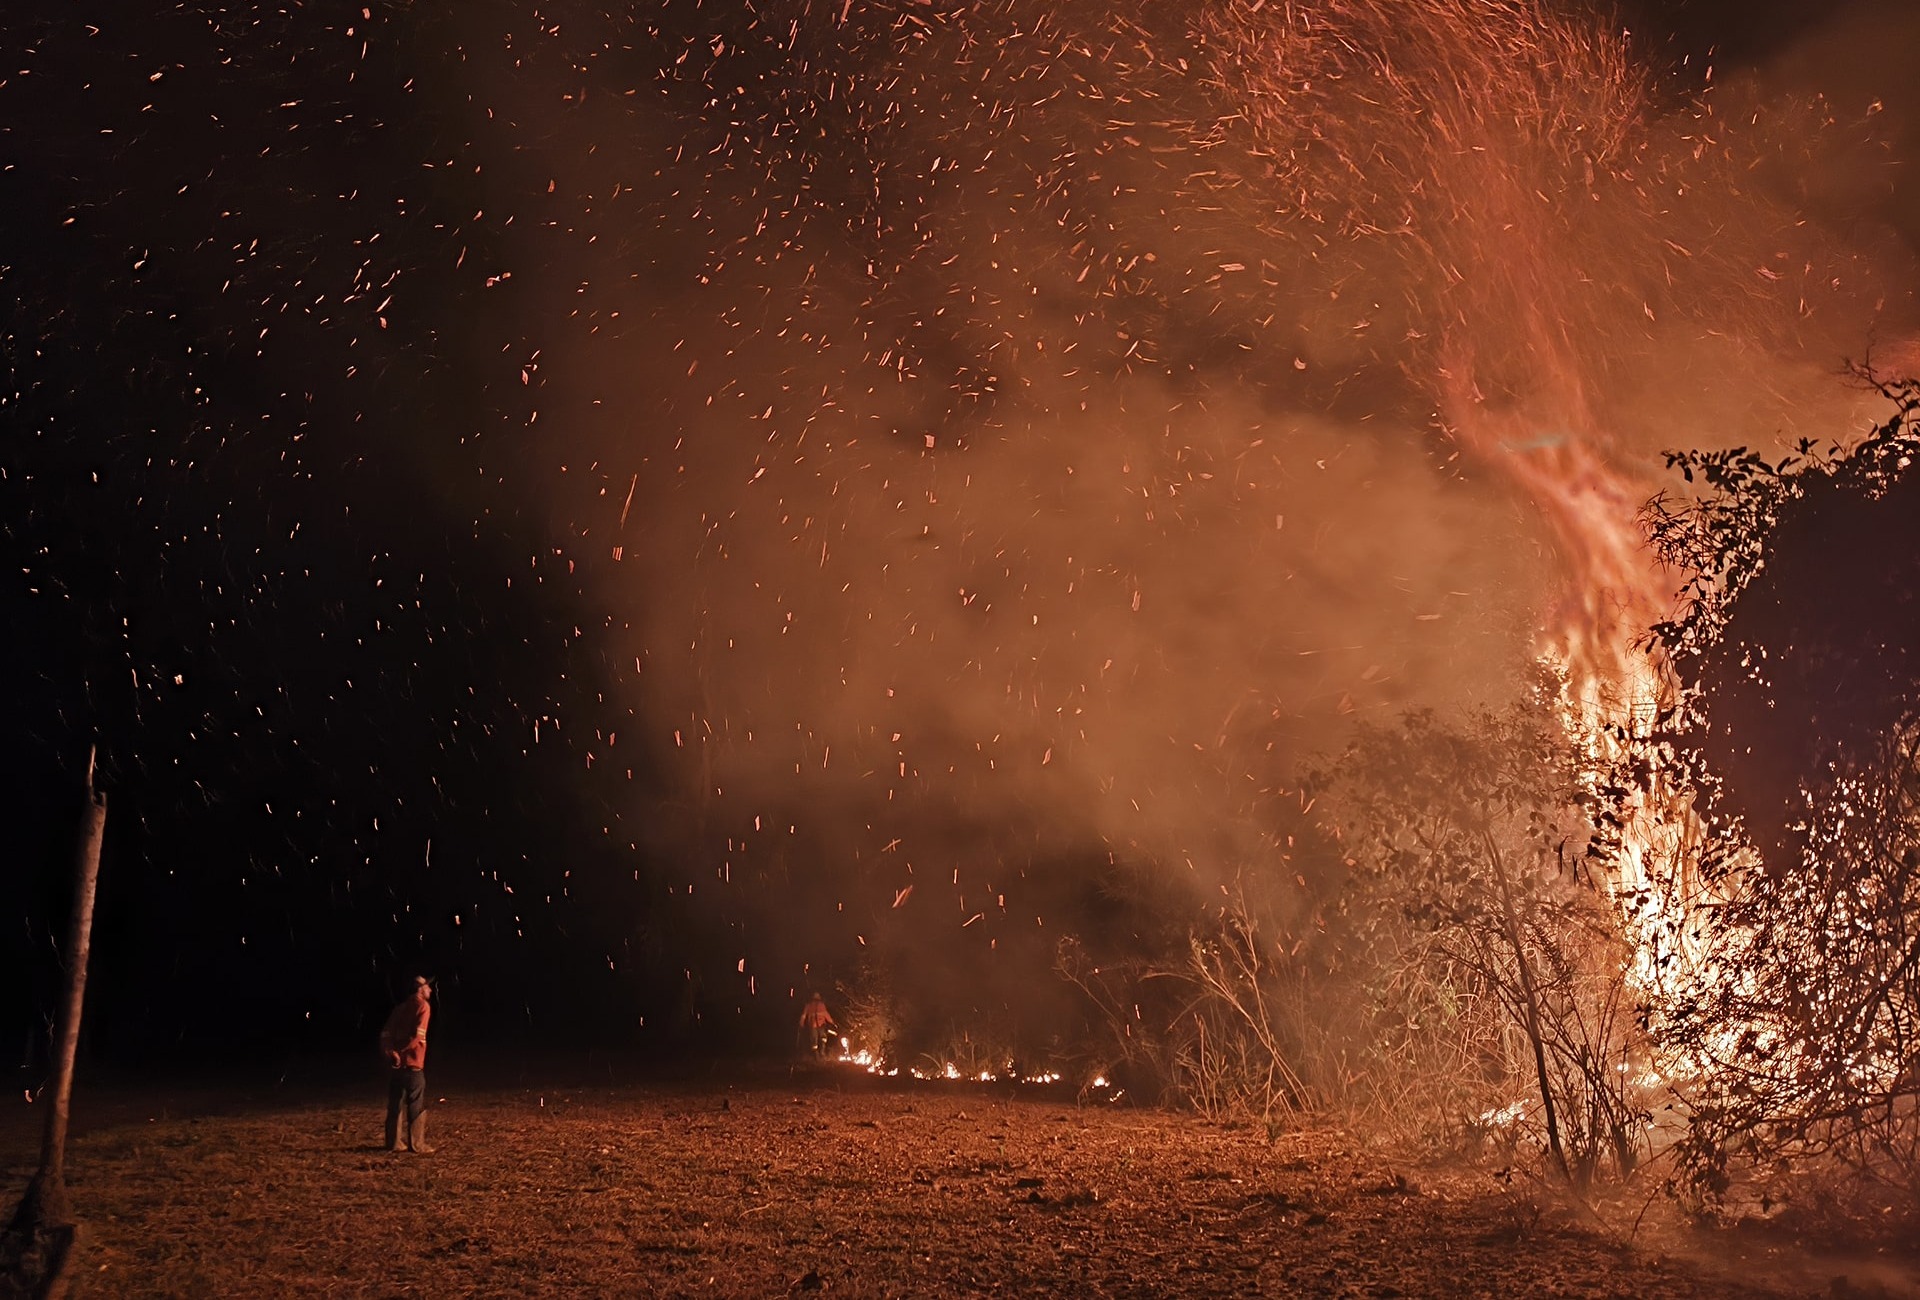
{"x": 1792, "y": 998}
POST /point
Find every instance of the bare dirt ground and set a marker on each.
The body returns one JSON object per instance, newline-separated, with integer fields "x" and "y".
{"x": 777, "y": 1181}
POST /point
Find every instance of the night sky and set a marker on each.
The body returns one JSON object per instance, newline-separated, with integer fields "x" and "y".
{"x": 639, "y": 513}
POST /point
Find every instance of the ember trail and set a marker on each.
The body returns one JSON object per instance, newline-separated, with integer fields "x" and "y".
{"x": 1113, "y": 540}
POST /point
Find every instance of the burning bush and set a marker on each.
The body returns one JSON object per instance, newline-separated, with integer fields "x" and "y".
{"x": 1465, "y": 971}
{"x": 1476, "y": 907}
{"x": 1790, "y": 968}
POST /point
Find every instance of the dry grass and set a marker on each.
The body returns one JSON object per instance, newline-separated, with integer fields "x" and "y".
{"x": 771, "y": 1184}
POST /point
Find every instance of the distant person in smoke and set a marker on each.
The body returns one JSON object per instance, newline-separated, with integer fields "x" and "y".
{"x": 815, "y": 1022}
{"x": 404, "y": 1042}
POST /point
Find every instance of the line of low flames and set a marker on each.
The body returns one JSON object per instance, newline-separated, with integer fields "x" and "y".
{"x": 869, "y": 1061}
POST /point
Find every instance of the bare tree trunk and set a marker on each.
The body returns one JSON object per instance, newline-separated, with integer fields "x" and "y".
{"x": 1532, "y": 997}
{"x": 44, "y": 1207}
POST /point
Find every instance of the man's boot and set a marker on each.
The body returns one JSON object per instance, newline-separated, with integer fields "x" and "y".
{"x": 417, "y": 1134}
{"x": 393, "y": 1133}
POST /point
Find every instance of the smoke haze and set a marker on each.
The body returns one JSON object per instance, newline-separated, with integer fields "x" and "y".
{"x": 947, "y": 463}
{"x": 1057, "y": 436}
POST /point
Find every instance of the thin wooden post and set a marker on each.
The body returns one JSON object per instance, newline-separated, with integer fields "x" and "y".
{"x": 44, "y": 1208}
{"x": 53, "y": 1150}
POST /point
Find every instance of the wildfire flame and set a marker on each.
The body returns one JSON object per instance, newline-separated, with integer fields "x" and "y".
{"x": 1512, "y": 155}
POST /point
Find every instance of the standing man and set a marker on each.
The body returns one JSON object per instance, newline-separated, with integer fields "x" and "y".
{"x": 815, "y": 1021}
{"x": 404, "y": 1041}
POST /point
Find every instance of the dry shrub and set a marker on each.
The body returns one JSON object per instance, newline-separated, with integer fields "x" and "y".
{"x": 869, "y": 1016}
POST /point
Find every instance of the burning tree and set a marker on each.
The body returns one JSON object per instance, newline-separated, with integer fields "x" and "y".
{"x": 1789, "y": 971}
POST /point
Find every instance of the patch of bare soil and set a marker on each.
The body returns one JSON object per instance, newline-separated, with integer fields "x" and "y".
{"x": 823, "y": 1181}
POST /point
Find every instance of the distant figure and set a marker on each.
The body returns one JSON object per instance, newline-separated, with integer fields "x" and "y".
{"x": 815, "y": 1021}
{"x": 404, "y": 1041}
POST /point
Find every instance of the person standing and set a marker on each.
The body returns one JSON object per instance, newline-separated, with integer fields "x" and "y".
{"x": 404, "y": 1041}
{"x": 815, "y": 1022}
